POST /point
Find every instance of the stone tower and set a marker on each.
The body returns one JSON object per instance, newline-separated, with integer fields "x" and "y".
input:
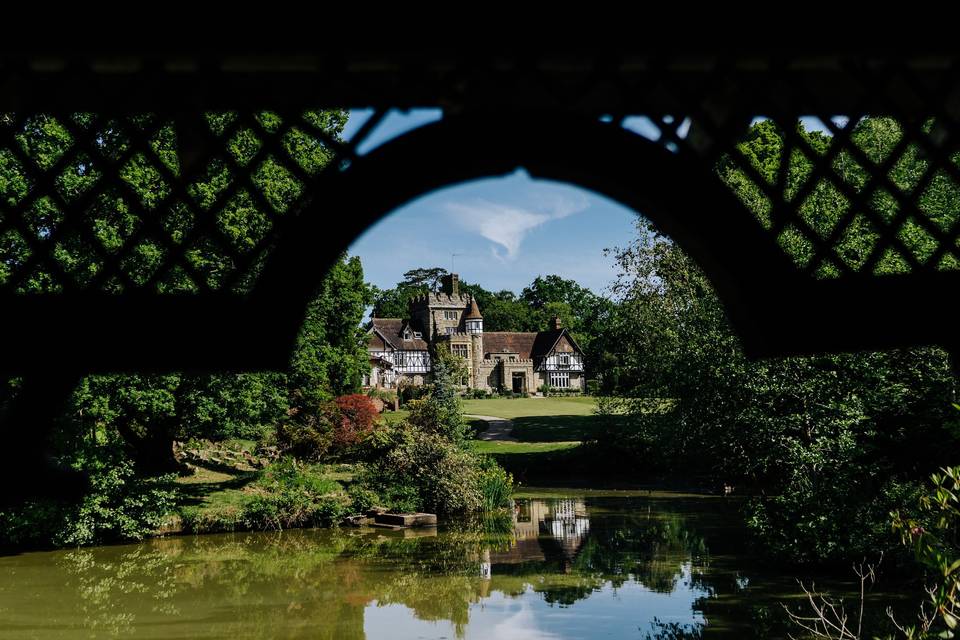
{"x": 473, "y": 322}
{"x": 441, "y": 314}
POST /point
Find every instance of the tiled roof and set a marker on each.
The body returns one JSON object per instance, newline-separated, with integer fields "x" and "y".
{"x": 474, "y": 312}
{"x": 392, "y": 331}
{"x": 517, "y": 342}
{"x": 526, "y": 344}
{"x": 545, "y": 342}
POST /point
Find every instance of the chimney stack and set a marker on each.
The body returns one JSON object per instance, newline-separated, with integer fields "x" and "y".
{"x": 450, "y": 284}
{"x": 556, "y": 324}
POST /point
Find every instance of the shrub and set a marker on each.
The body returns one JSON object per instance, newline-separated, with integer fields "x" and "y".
{"x": 356, "y": 415}
{"x": 496, "y": 484}
{"x": 424, "y": 472}
{"x": 362, "y": 499}
{"x": 434, "y": 418}
{"x": 118, "y": 506}
{"x": 479, "y": 394}
{"x": 423, "y": 463}
{"x": 388, "y": 397}
{"x": 935, "y": 539}
{"x": 593, "y": 387}
{"x": 410, "y": 392}
{"x": 382, "y": 394}
{"x": 315, "y": 431}
{"x": 307, "y": 434}
{"x": 293, "y": 494}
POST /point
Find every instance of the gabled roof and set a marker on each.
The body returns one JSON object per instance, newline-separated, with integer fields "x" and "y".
{"x": 547, "y": 340}
{"x": 527, "y": 345}
{"x": 391, "y": 330}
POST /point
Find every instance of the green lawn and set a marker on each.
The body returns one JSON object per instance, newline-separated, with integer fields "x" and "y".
{"x": 527, "y": 407}
{"x": 507, "y": 448}
{"x": 541, "y": 419}
{"x": 207, "y": 489}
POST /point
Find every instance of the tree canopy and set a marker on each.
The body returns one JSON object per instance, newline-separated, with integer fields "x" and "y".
{"x": 835, "y": 442}
{"x": 149, "y": 411}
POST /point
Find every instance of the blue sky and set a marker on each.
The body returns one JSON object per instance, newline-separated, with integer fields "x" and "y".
{"x": 504, "y": 231}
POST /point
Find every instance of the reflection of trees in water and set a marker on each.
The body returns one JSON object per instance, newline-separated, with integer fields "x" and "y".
{"x": 254, "y": 572}
{"x": 319, "y": 582}
{"x": 284, "y": 584}
{"x": 674, "y": 631}
{"x": 652, "y": 549}
{"x": 104, "y": 589}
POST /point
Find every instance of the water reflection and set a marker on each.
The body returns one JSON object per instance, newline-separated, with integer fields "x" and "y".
{"x": 575, "y": 567}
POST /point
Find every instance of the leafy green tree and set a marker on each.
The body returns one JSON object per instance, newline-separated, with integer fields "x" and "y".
{"x": 582, "y": 312}
{"x": 503, "y": 312}
{"x": 394, "y": 303}
{"x": 426, "y": 278}
{"x": 834, "y": 442}
{"x": 331, "y": 356}
{"x": 149, "y": 411}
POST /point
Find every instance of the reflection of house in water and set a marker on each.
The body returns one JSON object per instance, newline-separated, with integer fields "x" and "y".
{"x": 546, "y": 530}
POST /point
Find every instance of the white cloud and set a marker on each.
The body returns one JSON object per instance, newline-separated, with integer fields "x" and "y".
{"x": 521, "y": 625}
{"x": 507, "y": 225}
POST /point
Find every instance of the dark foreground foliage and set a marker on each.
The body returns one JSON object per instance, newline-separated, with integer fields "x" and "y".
{"x": 829, "y": 445}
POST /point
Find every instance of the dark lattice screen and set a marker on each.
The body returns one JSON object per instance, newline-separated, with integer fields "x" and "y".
{"x": 170, "y": 212}
{"x": 121, "y": 203}
{"x": 150, "y": 203}
{"x": 189, "y": 175}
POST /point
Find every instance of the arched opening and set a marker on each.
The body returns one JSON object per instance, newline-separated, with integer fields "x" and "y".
{"x": 570, "y": 544}
{"x": 681, "y": 199}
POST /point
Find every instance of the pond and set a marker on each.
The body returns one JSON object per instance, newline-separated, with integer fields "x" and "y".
{"x": 568, "y": 564}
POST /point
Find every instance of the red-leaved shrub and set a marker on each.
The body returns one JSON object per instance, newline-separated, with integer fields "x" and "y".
{"x": 356, "y": 415}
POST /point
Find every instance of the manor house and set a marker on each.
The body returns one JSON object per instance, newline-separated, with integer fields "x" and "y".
{"x": 401, "y": 348}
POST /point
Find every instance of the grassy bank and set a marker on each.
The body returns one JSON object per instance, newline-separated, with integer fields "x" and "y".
{"x": 527, "y": 407}
{"x": 550, "y": 449}
{"x": 538, "y": 420}
{"x": 549, "y": 431}
{"x": 284, "y": 495}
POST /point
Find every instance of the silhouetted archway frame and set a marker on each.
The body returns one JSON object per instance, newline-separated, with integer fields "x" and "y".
{"x": 774, "y": 308}
{"x": 554, "y": 113}
{"x": 680, "y": 197}
{"x": 538, "y": 110}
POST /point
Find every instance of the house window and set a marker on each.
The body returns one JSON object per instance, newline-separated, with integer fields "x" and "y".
{"x": 450, "y": 315}
{"x": 451, "y": 330}
{"x": 564, "y": 359}
{"x": 399, "y": 358}
{"x": 406, "y": 334}
{"x": 459, "y": 350}
{"x": 560, "y": 380}
{"x": 417, "y": 335}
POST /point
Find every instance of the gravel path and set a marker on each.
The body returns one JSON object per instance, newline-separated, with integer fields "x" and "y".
{"x": 497, "y": 428}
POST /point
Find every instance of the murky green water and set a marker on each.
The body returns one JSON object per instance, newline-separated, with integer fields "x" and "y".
{"x": 569, "y": 565}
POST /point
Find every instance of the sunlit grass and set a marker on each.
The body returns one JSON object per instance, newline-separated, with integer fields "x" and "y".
{"x": 524, "y": 407}
{"x": 499, "y": 447}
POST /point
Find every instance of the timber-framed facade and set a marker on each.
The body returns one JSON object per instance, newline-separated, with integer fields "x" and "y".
{"x": 401, "y": 349}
